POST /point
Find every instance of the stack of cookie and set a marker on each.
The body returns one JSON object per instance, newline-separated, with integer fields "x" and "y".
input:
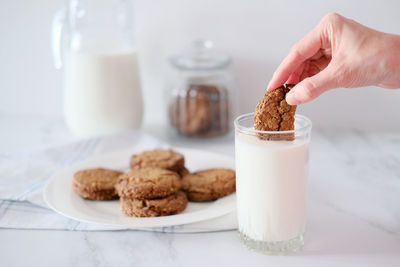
{"x": 150, "y": 192}
{"x": 152, "y": 188}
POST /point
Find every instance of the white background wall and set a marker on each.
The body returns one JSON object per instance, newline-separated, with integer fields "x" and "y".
{"x": 257, "y": 33}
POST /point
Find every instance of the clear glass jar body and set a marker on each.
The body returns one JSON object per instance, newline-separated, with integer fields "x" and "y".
{"x": 271, "y": 182}
{"x": 200, "y": 103}
{"x": 94, "y": 44}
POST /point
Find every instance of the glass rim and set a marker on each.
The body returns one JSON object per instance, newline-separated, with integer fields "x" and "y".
{"x": 244, "y": 129}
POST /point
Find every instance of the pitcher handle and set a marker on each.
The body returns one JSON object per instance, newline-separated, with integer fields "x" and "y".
{"x": 57, "y": 27}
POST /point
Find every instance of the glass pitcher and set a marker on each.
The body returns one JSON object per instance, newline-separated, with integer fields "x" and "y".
{"x": 93, "y": 43}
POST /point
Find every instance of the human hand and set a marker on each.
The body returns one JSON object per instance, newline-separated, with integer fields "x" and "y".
{"x": 339, "y": 52}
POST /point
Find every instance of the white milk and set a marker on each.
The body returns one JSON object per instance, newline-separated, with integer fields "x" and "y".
{"x": 271, "y": 178}
{"x": 102, "y": 92}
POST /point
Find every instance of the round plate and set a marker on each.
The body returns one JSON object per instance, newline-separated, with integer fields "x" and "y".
{"x": 59, "y": 195}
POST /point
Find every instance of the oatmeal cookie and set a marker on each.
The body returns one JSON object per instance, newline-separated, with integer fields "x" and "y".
{"x": 96, "y": 184}
{"x": 158, "y": 158}
{"x": 209, "y": 184}
{"x": 273, "y": 113}
{"x": 169, "y": 205}
{"x": 148, "y": 183}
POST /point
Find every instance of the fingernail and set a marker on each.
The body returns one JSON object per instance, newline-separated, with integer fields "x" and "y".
{"x": 291, "y": 98}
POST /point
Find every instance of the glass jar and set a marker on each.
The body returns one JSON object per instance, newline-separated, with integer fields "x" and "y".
{"x": 93, "y": 43}
{"x": 200, "y": 101}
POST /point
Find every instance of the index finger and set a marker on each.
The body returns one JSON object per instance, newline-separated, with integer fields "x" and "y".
{"x": 308, "y": 46}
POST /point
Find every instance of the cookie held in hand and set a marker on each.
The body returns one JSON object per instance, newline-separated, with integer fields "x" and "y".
{"x": 273, "y": 113}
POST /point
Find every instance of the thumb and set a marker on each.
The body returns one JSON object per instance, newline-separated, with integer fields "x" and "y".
{"x": 311, "y": 87}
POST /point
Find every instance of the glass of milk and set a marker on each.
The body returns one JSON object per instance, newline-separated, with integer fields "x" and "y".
{"x": 271, "y": 183}
{"x": 94, "y": 45}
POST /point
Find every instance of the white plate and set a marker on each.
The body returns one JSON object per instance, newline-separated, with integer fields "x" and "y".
{"x": 60, "y": 197}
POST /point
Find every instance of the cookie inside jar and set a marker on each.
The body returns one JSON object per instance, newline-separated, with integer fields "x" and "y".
{"x": 201, "y": 111}
{"x": 200, "y": 104}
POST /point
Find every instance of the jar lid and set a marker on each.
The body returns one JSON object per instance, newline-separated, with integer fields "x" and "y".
{"x": 201, "y": 56}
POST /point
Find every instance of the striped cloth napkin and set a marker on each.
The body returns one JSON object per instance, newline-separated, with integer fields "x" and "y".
{"x": 23, "y": 176}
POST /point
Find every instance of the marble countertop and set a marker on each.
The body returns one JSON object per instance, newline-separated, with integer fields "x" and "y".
{"x": 353, "y": 210}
